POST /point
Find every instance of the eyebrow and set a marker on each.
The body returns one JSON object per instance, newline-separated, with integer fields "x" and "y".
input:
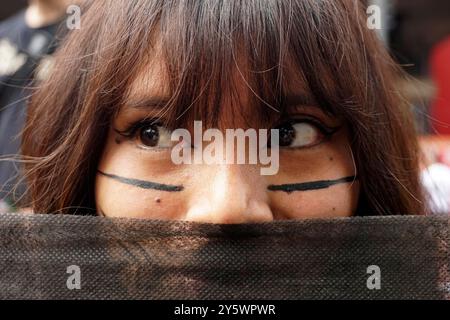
{"x": 291, "y": 100}
{"x": 147, "y": 102}
{"x": 305, "y": 100}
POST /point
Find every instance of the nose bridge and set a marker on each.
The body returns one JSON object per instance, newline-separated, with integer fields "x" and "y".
{"x": 234, "y": 195}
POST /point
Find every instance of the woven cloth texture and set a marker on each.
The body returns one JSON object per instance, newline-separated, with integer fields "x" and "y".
{"x": 149, "y": 259}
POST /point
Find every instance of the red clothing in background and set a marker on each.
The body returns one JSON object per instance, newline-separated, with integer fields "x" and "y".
{"x": 440, "y": 72}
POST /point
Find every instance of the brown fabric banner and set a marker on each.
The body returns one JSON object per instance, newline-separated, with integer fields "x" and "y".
{"x": 81, "y": 257}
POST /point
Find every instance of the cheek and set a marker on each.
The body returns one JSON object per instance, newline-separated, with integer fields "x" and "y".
{"x": 114, "y": 199}
{"x": 328, "y": 162}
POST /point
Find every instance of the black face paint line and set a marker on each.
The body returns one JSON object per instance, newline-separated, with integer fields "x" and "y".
{"x": 307, "y": 186}
{"x": 143, "y": 184}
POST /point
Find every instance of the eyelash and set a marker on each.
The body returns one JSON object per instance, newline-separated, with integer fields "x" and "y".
{"x": 325, "y": 130}
{"x": 133, "y": 128}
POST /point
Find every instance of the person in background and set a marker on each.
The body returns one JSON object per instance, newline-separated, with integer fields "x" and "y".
{"x": 27, "y": 41}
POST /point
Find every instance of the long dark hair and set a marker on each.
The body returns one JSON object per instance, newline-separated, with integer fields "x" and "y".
{"x": 342, "y": 62}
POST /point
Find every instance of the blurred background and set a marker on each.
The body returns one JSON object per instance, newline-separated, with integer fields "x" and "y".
{"x": 414, "y": 30}
{"x": 417, "y": 32}
{"x": 8, "y": 7}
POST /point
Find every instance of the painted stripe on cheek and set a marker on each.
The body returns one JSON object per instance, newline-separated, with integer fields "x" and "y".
{"x": 313, "y": 185}
{"x": 143, "y": 184}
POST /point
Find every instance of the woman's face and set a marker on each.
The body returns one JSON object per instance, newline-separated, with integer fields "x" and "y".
{"x": 138, "y": 177}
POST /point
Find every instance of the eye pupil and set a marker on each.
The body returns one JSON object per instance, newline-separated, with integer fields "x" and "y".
{"x": 287, "y": 135}
{"x": 150, "y": 136}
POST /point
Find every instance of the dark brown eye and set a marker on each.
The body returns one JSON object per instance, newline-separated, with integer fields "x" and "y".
{"x": 287, "y": 135}
{"x": 155, "y": 136}
{"x": 300, "y": 134}
{"x": 149, "y": 136}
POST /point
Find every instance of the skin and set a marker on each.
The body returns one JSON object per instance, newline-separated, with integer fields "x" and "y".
{"x": 41, "y": 13}
{"x": 313, "y": 182}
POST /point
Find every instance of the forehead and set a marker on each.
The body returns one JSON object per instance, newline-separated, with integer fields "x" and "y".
{"x": 153, "y": 77}
{"x": 238, "y": 97}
